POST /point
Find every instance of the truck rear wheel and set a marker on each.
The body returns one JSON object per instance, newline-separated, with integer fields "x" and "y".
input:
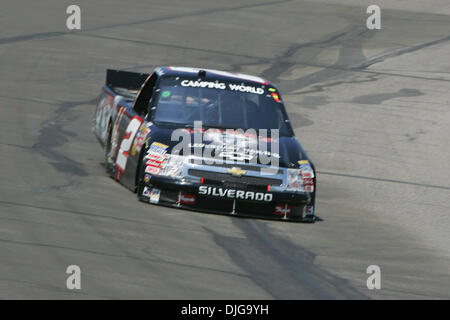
{"x": 108, "y": 156}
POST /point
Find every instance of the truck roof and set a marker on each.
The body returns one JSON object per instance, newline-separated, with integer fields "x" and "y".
{"x": 210, "y": 74}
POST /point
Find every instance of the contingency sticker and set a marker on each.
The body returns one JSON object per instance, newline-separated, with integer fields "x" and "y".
{"x": 152, "y": 194}
{"x": 308, "y": 211}
{"x": 307, "y": 174}
{"x": 154, "y": 197}
{"x": 155, "y": 158}
{"x": 158, "y": 148}
{"x": 147, "y": 192}
{"x": 139, "y": 140}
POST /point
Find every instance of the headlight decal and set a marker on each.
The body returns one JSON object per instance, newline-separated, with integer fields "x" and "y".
{"x": 172, "y": 166}
{"x": 164, "y": 164}
{"x": 307, "y": 174}
{"x": 293, "y": 180}
{"x": 301, "y": 179}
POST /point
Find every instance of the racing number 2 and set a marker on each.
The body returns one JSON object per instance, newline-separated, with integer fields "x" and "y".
{"x": 130, "y": 133}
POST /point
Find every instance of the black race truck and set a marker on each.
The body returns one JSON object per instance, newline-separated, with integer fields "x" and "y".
{"x": 204, "y": 140}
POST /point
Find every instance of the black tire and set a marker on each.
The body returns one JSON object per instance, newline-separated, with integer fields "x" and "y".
{"x": 140, "y": 184}
{"x": 109, "y": 166}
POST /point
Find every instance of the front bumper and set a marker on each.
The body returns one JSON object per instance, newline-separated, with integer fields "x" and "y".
{"x": 171, "y": 192}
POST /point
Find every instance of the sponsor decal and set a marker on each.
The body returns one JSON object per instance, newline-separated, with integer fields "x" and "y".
{"x": 283, "y": 210}
{"x": 221, "y": 86}
{"x": 152, "y": 194}
{"x": 154, "y": 163}
{"x": 157, "y": 148}
{"x": 152, "y": 170}
{"x": 307, "y": 174}
{"x": 302, "y": 179}
{"x": 140, "y": 139}
{"x": 203, "y": 84}
{"x": 242, "y": 88}
{"x": 306, "y": 171}
{"x": 155, "y": 157}
{"x": 154, "y": 197}
{"x": 235, "y": 194}
{"x": 308, "y": 211}
{"x": 186, "y": 198}
{"x": 147, "y": 192}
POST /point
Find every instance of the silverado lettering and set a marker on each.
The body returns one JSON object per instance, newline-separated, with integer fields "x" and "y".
{"x": 234, "y": 194}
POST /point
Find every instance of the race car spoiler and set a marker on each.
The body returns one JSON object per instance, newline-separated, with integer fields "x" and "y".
{"x": 125, "y": 79}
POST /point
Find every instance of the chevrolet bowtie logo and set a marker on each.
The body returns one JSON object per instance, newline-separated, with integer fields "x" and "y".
{"x": 235, "y": 171}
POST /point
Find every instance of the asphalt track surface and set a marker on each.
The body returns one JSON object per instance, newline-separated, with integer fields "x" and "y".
{"x": 370, "y": 107}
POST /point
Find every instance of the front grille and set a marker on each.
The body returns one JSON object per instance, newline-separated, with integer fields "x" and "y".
{"x": 228, "y": 178}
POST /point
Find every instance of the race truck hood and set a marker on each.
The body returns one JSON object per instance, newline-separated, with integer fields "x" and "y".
{"x": 235, "y": 146}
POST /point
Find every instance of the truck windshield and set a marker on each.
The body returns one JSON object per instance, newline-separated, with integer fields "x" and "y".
{"x": 181, "y": 101}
